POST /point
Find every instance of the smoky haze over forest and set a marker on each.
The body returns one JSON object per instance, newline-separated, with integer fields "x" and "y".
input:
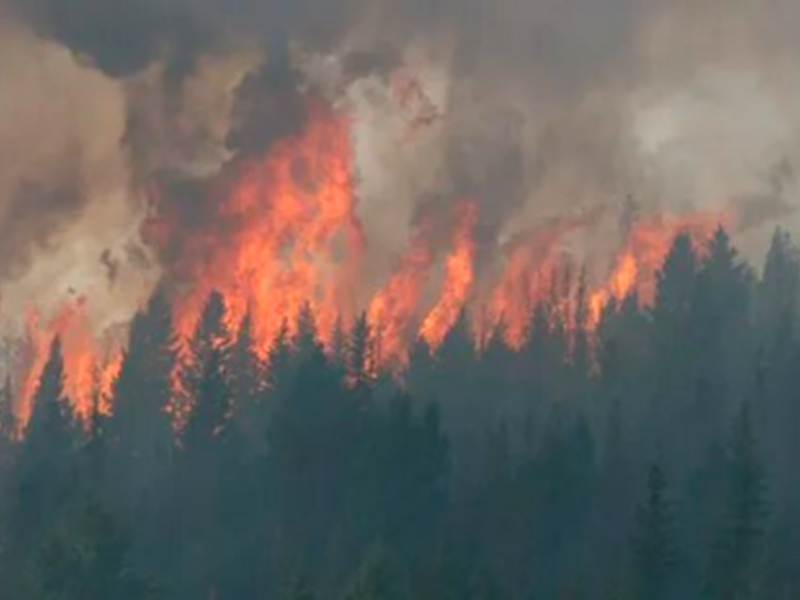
{"x": 534, "y": 109}
{"x": 380, "y": 300}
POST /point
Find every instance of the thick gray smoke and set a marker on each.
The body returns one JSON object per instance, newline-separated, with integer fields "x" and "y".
{"x": 534, "y": 108}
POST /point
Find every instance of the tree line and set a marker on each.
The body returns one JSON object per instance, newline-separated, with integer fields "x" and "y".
{"x": 650, "y": 458}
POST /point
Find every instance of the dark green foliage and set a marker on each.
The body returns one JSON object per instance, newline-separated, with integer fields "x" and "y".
{"x": 45, "y": 464}
{"x": 140, "y": 434}
{"x": 297, "y": 589}
{"x": 485, "y": 473}
{"x": 378, "y": 578}
{"x": 737, "y": 556}
{"x": 83, "y": 558}
{"x": 654, "y": 547}
{"x": 360, "y": 355}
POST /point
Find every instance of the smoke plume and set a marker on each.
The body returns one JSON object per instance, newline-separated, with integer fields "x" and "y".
{"x": 116, "y": 113}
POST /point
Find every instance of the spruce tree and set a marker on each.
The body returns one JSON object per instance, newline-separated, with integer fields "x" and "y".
{"x": 360, "y": 355}
{"x": 8, "y": 426}
{"x": 736, "y": 557}
{"x": 139, "y": 433}
{"x": 246, "y": 375}
{"x": 653, "y": 545}
{"x": 44, "y": 467}
{"x": 209, "y": 422}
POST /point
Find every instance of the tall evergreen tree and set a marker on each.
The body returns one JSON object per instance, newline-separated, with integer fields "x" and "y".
{"x": 210, "y": 334}
{"x": 736, "y": 558}
{"x": 208, "y": 425}
{"x": 654, "y": 546}
{"x": 45, "y": 466}
{"x": 8, "y": 426}
{"x": 207, "y": 482}
{"x": 780, "y": 285}
{"x": 140, "y": 435}
{"x": 360, "y": 354}
{"x": 245, "y": 372}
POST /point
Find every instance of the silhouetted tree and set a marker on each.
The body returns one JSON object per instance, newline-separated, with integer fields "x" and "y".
{"x": 140, "y": 434}
{"x": 736, "y": 559}
{"x": 45, "y": 465}
{"x": 654, "y": 546}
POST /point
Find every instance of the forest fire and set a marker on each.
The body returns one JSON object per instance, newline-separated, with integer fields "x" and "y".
{"x": 370, "y": 300}
{"x": 90, "y": 367}
{"x": 643, "y": 253}
{"x": 289, "y": 225}
{"x": 458, "y": 280}
{"x": 284, "y": 235}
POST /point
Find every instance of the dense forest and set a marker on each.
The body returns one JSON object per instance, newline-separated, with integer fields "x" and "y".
{"x": 650, "y": 456}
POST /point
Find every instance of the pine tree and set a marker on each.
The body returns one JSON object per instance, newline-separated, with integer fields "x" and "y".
{"x": 581, "y": 352}
{"x": 280, "y": 369}
{"x": 209, "y": 421}
{"x": 780, "y": 285}
{"x": 675, "y": 283}
{"x": 8, "y": 426}
{"x": 44, "y": 467}
{"x": 306, "y": 342}
{"x": 94, "y": 451}
{"x": 736, "y": 557}
{"x": 140, "y": 434}
{"x": 360, "y": 356}
{"x": 419, "y": 374}
{"x": 339, "y": 347}
{"x": 247, "y": 377}
{"x": 211, "y": 333}
{"x": 311, "y": 438}
{"x": 654, "y": 548}
{"x": 720, "y": 320}
{"x": 207, "y": 484}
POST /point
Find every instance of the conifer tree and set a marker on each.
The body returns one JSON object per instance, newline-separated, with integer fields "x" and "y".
{"x": 736, "y": 557}
{"x": 360, "y": 355}
{"x": 653, "y": 544}
{"x": 208, "y": 425}
{"x": 210, "y": 334}
{"x": 45, "y": 466}
{"x": 140, "y": 434}
{"x": 246, "y": 375}
{"x": 8, "y": 426}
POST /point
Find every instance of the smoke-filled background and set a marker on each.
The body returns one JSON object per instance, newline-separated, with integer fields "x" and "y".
{"x": 383, "y": 300}
{"x": 534, "y": 109}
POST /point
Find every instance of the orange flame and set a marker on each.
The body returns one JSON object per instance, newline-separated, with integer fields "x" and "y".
{"x": 644, "y": 252}
{"x": 293, "y": 224}
{"x": 394, "y": 307}
{"x": 459, "y": 278}
{"x": 87, "y": 376}
{"x": 285, "y": 234}
{"x": 527, "y": 278}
